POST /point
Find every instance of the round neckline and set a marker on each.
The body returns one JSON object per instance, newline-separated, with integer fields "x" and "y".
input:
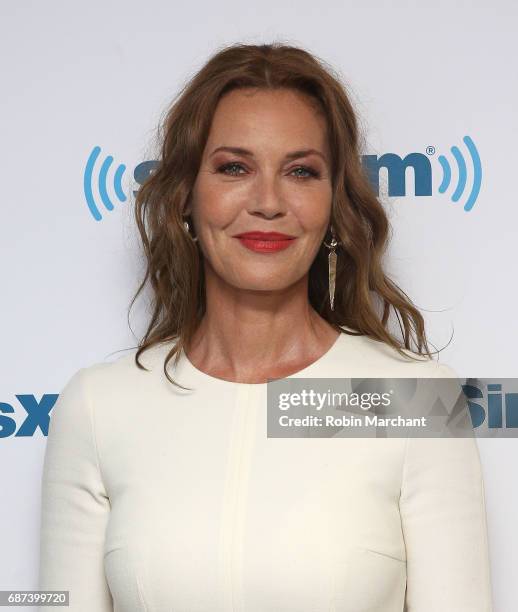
{"x": 305, "y": 372}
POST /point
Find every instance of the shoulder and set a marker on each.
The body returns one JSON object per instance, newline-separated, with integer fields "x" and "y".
{"x": 113, "y": 397}
{"x": 121, "y": 380}
{"x": 363, "y": 353}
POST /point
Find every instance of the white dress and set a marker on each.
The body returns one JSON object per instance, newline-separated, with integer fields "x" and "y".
{"x": 156, "y": 499}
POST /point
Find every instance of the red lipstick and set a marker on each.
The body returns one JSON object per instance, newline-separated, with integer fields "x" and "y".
{"x": 265, "y": 242}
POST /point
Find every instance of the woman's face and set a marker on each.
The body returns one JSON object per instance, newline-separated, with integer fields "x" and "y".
{"x": 262, "y": 188}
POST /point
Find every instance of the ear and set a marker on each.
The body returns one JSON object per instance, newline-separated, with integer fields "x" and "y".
{"x": 187, "y": 209}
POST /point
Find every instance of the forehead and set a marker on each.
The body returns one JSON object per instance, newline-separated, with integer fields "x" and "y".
{"x": 250, "y": 117}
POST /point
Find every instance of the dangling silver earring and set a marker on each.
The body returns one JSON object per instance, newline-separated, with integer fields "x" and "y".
{"x": 186, "y": 225}
{"x": 332, "y": 257}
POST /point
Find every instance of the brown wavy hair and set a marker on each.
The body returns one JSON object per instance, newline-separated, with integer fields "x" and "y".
{"x": 364, "y": 294}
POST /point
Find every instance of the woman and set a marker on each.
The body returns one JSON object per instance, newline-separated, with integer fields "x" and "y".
{"x": 164, "y": 492}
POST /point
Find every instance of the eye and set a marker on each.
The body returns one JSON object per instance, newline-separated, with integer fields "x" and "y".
{"x": 225, "y": 167}
{"x": 310, "y": 173}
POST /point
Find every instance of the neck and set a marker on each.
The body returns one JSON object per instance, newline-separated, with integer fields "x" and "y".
{"x": 247, "y": 334}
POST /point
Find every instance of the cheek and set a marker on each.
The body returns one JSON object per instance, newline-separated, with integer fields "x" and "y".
{"x": 216, "y": 207}
{"x": 313, "y": 215}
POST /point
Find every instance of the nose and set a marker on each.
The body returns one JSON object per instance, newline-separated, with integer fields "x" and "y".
{"x": 267, "y": 200}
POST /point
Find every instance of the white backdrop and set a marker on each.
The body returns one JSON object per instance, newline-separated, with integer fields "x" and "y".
{"x": 77, "y": 75}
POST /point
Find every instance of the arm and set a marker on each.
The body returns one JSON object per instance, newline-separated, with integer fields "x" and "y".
{"x": 443, "y": 517}
{"x": 74, "y": 505}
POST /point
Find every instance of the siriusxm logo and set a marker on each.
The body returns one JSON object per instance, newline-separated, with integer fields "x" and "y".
{"x": 97, "y": 174}
{"x": 37, "y": 415}
{"x": 396, "y": 168}
{"x": 493, "y": 407}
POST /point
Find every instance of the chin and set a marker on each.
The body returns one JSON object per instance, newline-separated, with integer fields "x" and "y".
{"x": 263, "y": 282}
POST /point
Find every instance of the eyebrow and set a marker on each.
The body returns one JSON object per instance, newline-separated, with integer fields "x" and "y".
{"x": 289, "y": 156}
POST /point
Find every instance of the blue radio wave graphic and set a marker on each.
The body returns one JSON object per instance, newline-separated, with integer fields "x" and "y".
{"x": 461, "y": 164}
{"x": 102, "y": 183}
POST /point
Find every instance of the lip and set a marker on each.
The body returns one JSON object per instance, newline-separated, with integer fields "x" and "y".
{"x": 265, "y": 236}
{"x": 265, "y": 242}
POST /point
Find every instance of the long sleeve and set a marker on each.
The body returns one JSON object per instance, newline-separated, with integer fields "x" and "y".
{"x": 74, "y": 504}
{"x": 443, "y": 517}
